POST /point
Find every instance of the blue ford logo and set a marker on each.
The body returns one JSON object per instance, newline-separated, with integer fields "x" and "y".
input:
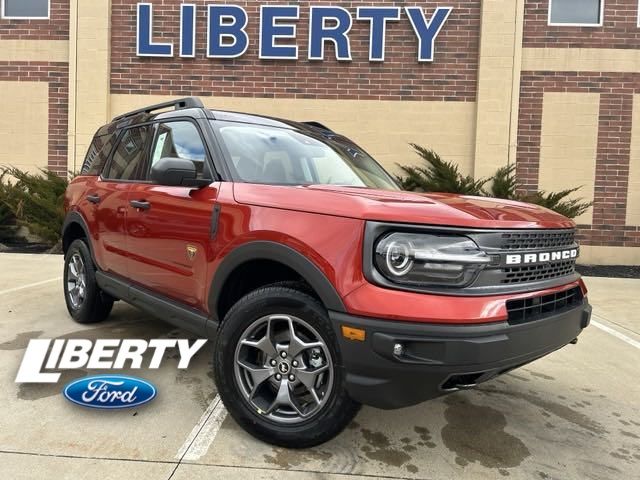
{"x": 110, "y": 391}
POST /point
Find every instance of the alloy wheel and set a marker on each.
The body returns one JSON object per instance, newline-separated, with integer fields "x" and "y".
{"x": 76, "y": 281}
{"x": 283, "y": 368}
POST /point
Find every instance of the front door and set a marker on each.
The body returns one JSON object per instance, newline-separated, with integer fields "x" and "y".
{"x": 169, "y": 228}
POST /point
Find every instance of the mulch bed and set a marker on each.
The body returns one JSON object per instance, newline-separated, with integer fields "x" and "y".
{"x": 25, "y": 248}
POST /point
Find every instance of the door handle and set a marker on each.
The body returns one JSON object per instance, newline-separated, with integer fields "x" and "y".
{"x": 141, "y": 204}
{"x": 95, "y": 199}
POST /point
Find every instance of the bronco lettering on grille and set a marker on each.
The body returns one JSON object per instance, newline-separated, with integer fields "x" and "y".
{"x": 528, "y": 258}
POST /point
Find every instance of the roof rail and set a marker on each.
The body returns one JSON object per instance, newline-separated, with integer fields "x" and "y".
{"x": 179, "y": 104}
{"x": 318, "y": 125}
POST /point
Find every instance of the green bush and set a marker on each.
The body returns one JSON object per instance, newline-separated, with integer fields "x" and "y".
{"x": 441, "y": 176}
{"x": 505, "y": 184}
{"x": 35, "y": 200}
{"x": 438, "y": 176}
{"x": 5, "y": 214}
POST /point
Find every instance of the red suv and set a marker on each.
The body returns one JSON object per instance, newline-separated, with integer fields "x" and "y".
{"x": 323, "y": 285}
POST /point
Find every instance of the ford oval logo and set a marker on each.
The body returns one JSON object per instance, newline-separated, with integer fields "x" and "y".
{"x": 110, "y": 391}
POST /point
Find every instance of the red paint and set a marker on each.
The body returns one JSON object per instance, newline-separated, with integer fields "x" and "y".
{"x": 324, "y": 223}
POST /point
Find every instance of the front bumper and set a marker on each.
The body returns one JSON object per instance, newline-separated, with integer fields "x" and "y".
{"x": 438, "y": 358}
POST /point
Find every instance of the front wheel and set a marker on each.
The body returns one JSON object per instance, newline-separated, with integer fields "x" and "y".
{"x": 277, "y": 367}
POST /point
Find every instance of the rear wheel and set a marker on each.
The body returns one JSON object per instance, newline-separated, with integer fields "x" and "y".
{"x": 85, "y": 301}
{"x": 277, "y": 369}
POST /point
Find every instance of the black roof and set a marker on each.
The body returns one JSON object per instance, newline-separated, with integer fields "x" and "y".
{"x": 194, "y": 108}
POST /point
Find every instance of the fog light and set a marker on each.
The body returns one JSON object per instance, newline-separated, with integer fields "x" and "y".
{"x": 398, "y": 349}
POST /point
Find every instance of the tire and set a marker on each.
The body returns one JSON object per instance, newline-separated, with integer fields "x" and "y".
{"x": 89, "y": 304}
{"x": 303, "y": 422}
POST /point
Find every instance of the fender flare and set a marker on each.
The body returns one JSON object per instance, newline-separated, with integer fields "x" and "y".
{"x": 74, "y": 217}
{"x": 266, "y": 250}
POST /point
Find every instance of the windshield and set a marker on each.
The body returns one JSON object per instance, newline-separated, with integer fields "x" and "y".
{"x": 279, "y": 156}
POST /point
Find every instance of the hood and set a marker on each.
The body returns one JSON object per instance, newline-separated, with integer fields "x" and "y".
{"x": 402, "y": 207}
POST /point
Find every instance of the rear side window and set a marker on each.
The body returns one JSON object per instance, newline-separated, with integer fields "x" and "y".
{"x": 129, "y": 158}
{"x": 98, "y": 154}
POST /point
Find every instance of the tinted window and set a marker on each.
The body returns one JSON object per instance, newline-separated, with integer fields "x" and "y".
{"x": 180, "y": 140}
{"x": 98, "y": 154}
{"x": 575, "y": 11}
{"x": 128, "y": 161}
{"x": 261, "y": 154}
{"x": 26, "y": 8}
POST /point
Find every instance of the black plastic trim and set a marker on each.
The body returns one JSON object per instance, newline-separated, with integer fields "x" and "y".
{"x": 74, "y": 217}
{"x": 313, "y": 123}
{"x": 437, "y": 358}
{"x": 215, "y": 218}
{"x": 179, "y": 104}
{"x": 265, "y": 250}
{"x": 175, "y": 313}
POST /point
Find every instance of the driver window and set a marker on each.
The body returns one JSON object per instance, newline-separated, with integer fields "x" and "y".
{"x": 180, "y": 140}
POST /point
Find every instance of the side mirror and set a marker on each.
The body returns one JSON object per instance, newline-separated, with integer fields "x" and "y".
{"x": 177, "y": 172}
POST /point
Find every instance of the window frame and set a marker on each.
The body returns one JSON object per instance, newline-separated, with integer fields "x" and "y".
{"x": 145, "y": 151}
{"x": 7, "y": 17}
{"x": 208, "y": 157}
{"x": 557, "y": 24}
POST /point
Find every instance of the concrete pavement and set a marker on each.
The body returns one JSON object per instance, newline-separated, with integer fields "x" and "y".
{"x": 571, "y": 415}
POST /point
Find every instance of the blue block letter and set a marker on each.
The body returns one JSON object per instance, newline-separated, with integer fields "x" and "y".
{"x": 427, "y": 31}
{"x": 144, "y": 44}
{"x": 270, "y": 31}
{"x": 187, "y": 30}
{"x": 377, "y": 17}
{"x": 319, "y": 32}
{"x": 226, "y": 33}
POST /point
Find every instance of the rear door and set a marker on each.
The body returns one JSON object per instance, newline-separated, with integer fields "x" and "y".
{"x": 108, "y": 197}
{"x": 169, "y": 228}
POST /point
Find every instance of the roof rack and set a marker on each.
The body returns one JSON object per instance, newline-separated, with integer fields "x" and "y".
{"x": 179, "y": 104}
{"x": 318, "y": 125}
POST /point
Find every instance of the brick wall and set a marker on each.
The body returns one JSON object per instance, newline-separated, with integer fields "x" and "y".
{"x": 613, "y": 152}
{"x": 451, "y": 77}
{"x": 56, "y": 75}
{"x": 619, "y": 31}
{"x": 54, "y": 28}
{"x": 620, "y": 28}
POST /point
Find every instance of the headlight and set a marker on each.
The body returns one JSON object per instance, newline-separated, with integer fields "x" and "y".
{"x": 423, "y": 260}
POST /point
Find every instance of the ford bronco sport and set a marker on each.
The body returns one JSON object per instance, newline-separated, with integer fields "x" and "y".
{"x": 323, "y": 285}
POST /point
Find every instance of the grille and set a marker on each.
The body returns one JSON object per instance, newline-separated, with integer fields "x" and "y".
{"x": 534, "y": 273}
{"x": 537, "y": 240}
{"x": 529, "y": 309}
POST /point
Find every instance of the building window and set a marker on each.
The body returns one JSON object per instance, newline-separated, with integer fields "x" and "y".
{"x": 25, "y": 9}
{"x": 577, "y": 13}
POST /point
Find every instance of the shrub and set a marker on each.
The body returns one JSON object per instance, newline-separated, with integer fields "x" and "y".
{"x": 442, "y": 176}
{"x": 35, "y": 200}
{"x": 438, "y": 176}
{"x": 556, "y": 201}
{"x": 5, "y": 214}
{"x": 505, "y": 184}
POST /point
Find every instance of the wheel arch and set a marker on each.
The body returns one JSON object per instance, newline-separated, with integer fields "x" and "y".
{"x": 279, "y": 253}
{"x": 75, "y": 227}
